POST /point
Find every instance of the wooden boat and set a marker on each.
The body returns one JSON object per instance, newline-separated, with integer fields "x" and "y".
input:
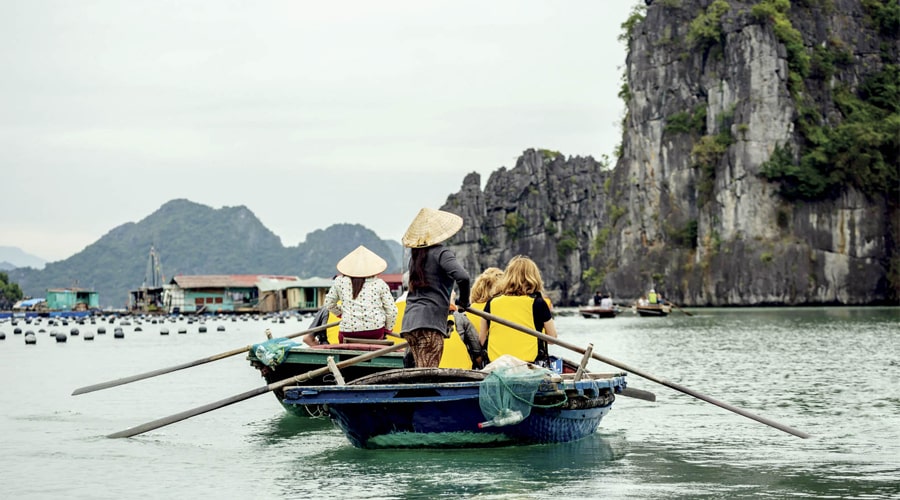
{"x": 652, "y": 310}
{"x": 440, "y": 407}
{"x": 599, "y": 312}
{"x": 302, "y": 359}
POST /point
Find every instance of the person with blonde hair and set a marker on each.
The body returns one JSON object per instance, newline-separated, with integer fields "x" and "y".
{"x": 518, "y": 297}
{"x": 482, "y": 289}
{"x": 433, "y": 271}
{"x": 484, "y": 284}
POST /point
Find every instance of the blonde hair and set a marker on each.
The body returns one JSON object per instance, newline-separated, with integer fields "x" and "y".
{"x": 481, "y": 288}
{"x": 521, "y": 277}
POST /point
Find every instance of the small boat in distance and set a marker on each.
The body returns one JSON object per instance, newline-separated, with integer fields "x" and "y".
{"x": 652, "y": 310}
{"x": 599, "y": 311}
{"x": 445, "y": 407}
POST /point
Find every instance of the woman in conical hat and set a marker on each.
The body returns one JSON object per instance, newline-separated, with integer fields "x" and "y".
{"x": 363, "y": 301}
{"x": 433, "y": 271}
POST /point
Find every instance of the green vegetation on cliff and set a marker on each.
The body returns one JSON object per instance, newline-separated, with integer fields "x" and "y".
{"x": 860, "y": 148}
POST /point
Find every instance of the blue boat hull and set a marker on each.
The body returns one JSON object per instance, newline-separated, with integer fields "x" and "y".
{"x": 448, "y": 414}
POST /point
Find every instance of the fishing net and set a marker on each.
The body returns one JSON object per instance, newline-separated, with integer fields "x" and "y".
{"x": 272, "y": 352}
{"x": 506, "y": 396}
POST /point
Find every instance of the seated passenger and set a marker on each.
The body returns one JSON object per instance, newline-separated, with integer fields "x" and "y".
{"x": 606, "y": 302}
{"x": 362, "y": 301}
{"x": 462, "y": 349}
{"x": 518, "y": 298}
{"x": 481, "y": 291}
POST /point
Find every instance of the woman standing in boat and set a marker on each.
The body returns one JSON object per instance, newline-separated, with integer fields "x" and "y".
{"x": 433, "y": 270}
{"x": 362, "y": 301}
{"x": 518, "y": 298}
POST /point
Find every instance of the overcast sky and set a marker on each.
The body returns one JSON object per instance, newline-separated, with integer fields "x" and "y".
{"x": 309, "y": 113}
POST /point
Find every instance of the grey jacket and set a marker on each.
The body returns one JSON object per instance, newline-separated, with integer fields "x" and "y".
{"x": 429, "y": 307}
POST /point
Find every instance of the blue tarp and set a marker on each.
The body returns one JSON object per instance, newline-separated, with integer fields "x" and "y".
{"x": 28, "y": 303}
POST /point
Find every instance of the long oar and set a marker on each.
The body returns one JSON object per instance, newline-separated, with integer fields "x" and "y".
{"x": 189, "y": 364}
{"x": 171, "y": 419}
{"x": 680, "y": 309}
{"x": 628, "y": 391}
{"x": 672, "y": 385}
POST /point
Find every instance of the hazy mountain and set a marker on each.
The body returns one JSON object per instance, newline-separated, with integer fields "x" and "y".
{"x": 191, "y": 238}
{"x": 12, "y": 257}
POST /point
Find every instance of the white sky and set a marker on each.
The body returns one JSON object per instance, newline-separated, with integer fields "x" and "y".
{"x": 310, "y": 113}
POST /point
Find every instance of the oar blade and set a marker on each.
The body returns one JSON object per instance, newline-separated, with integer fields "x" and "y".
{"x": 171, "y": 419}
{"x": 641, "y": 373}
{"x": 189, "y": 364}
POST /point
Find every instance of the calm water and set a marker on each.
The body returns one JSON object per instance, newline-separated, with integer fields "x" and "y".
{"x": 833, "y": 373}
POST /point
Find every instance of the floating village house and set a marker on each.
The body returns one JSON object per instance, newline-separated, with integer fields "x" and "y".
{"x": 72, "y": 299}
{"x": 243, "y": 293}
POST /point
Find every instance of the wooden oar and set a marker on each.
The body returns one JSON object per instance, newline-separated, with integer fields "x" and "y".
{"x": 636, "y": 371}
{"x": 171, "y": 419}
{"x": 628, "y": 391}
{"x": 680, "y": 309}
{"x": 189, "y": 364}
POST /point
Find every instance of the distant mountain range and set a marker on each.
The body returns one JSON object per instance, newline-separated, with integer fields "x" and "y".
{"x": 13, "y": 257}
{"x": 191, "y": 238}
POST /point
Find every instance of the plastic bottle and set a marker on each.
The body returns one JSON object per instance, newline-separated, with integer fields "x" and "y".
{"x": 505, "y": 417}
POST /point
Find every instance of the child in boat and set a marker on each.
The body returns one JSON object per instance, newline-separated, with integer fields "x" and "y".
{"x": 518, "y": 297}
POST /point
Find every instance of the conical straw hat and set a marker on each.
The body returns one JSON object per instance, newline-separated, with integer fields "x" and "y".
{"x": 361, "y": 263}
{"x": 431, "y": 227}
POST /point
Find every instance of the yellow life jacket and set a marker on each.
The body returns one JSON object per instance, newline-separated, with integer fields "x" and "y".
{"x": 455, "y": 355}
{"x": 653, "y": 298}
{"x": 401, "y": 308}
{"x": 475, "y": 320}
{"x": 505, "y": 340}
{"x": 332, "y": 333}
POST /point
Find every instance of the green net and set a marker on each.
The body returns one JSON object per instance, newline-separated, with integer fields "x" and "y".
{"x": 506, "y": 395}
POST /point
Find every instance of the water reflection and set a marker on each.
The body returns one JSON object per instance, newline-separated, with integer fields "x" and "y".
{"x": 284, "y": 426}
{"x": 513, "y": 470}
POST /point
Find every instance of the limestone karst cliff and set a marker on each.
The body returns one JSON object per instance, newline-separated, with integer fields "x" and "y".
{"x": 758, "y": 165}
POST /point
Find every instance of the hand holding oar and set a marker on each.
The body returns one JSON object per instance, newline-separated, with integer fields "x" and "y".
{"x": 189, "y": 364}
{"x": 617, "y": 364}
{"x": 171, "y": 419}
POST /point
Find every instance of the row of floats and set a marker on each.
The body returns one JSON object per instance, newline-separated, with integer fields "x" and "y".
{"x": 118, "y": 332}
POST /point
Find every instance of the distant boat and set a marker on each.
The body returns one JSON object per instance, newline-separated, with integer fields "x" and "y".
{"x": 652, "y": 310}
{"x": 442, "y": 407}
{"x": 599, "y": 312}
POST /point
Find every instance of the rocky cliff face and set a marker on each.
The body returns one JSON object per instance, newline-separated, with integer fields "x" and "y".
{"x": 715, "y": 90}
{"x": 545, "y": 207}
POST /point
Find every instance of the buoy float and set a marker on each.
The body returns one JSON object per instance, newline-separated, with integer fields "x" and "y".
{"x": 164, "y": 331}
{"x": 101, "y": 330}
{"x": 2, "y": 336}
{"x": 119, "y": 334}
{"x": 30, "y": 338}
{"x": 88, "y": 335}
{"x": 61, "y": 337}
{"x": 182, "y": 330}
{"x": 73, "y": 332}
{"x": 221, "y": 328}
{"x": 17, "y": 331}
{"x": 201, "y": 329}
{"x": 138, "y": 329}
